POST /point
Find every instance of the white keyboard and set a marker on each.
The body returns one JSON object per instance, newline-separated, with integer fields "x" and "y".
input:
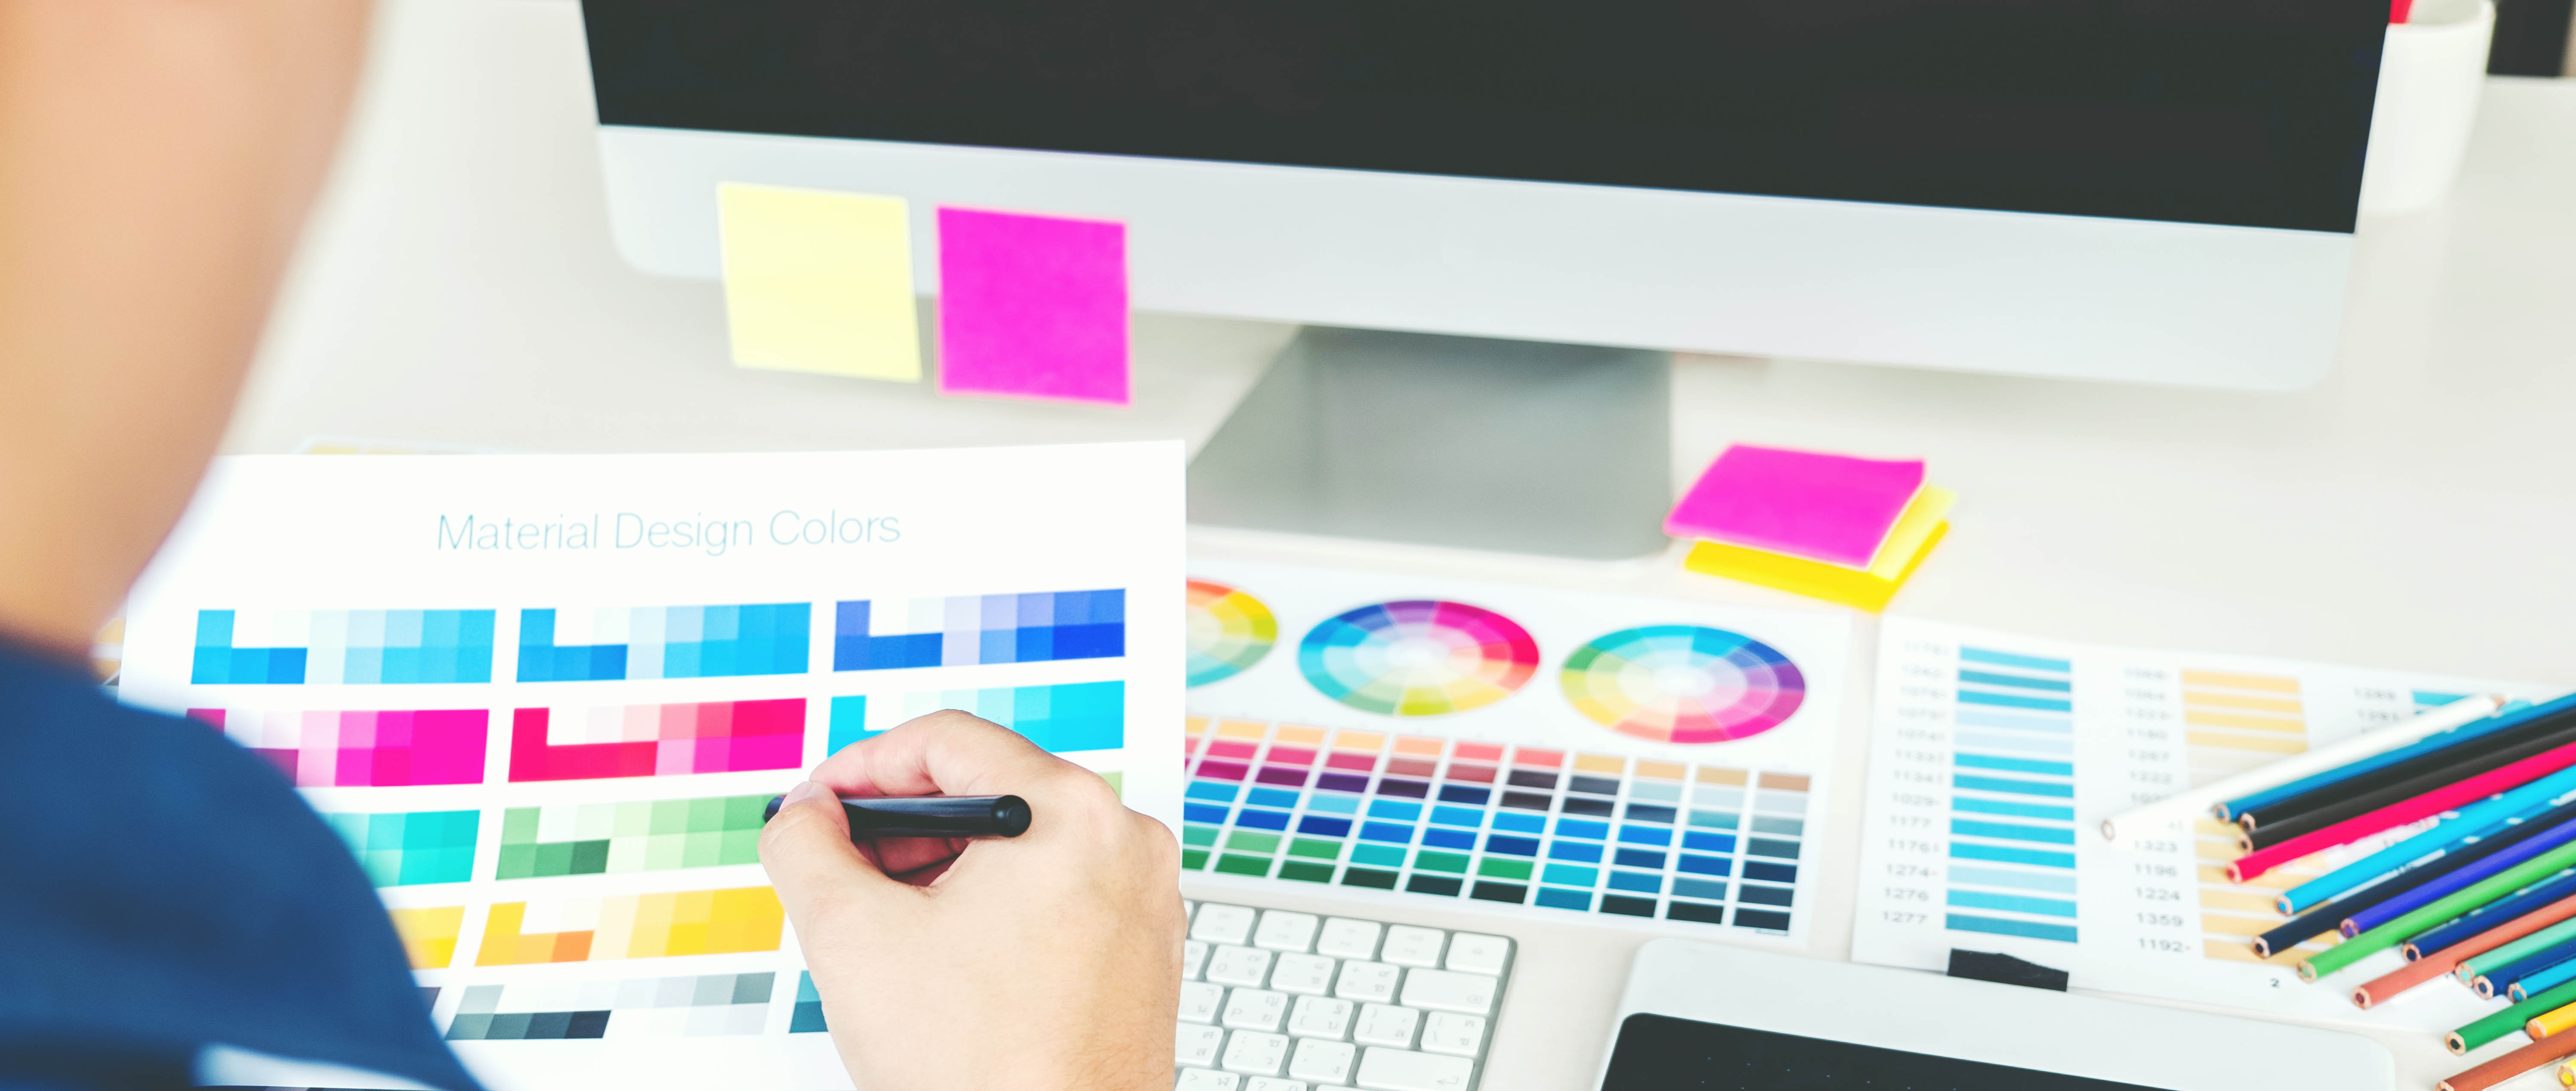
{"x": 1279, "y": 1001}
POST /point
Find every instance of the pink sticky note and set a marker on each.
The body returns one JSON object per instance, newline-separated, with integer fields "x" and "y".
{"x": 1032, "y": 306}
{"x": 1830, "y": 508}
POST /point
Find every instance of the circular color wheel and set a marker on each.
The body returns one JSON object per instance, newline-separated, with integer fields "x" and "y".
{"x": 1419, "y": 657}
{"x": 1683, "y": 683}
{"x": 1229, "y": 632}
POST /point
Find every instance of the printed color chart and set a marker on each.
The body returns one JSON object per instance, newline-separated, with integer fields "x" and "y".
{"x": 1582, "y": 832}
{"x": 407, "y": 849}
{"x": 1683, "y": 683}
{"x": 1060, "y": 719}
{"x": 808, "y": 1017}
{"x": 429, "y": 934}
{"x": 647, "y": 1007}
{"x": 1229, "y": 631}
{"x": 1995, "y": 759}
{"x": 620, "y": 838}
{"x": 696, "y": 922}
{"x": 342, "y": 647}
{"x": 664, "y": 642}
{"x": 361, "y": 749}
{"x": 1418, "y": 657}
{"x": 656, "y": 740}
{"x": 964, "y": 630}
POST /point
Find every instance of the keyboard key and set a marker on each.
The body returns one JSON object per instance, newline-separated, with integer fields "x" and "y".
{"x": 1347, "y": 938}
{"x": 1407, "y": 945}
{"x": 1322, "y": 1061}
{"x": 1207, "y": 1079}
{"x": 1272, "y": 1083}
{"x": 1445, "y": 1032}
{"x": 1200, "y": 1001}
{"x": 1222, "y": 924}
{"x": 1193, "y": 959}
{"x": 1366, "y": 981}
{"x": 1189, "y": 909}
{"x": 1196, "y": 1045}
{"x": 1255, "y": 1009}
{"x": 1385, "y": 1025}
{"x": 1383, "y": 1069}
{"x": 1445, "y": 991}
{"x": 1239, "y": 966}
{"x": 1307, "y": 974}
{"x": 1478, "y": 954}
{"x": 1254, "y": 1053}
{"x": 1319, "y": 1017}
{"x": 1285, "y": 931}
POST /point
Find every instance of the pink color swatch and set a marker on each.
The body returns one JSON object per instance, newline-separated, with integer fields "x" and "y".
{"x": 365, "y": 749}
{"x": 1032, "y": 306}
{"x": 1831, "y": 508}
{"x": 662, "y": 740}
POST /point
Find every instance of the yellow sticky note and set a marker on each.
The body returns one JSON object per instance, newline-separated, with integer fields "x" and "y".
{"x": 819, "y": 281}
{"x": 1916, "y": 532}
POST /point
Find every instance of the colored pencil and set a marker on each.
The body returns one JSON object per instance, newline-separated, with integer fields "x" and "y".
{"x": 2499, "y": 980}
{"x": 2488, "y": 1028}
{"x": 2423, "y": 806}
{"x": 2425, "y": 743}
{"x": 2124, "y": 828}
{"x": 2429, "y": 779}
{"x": 2395, "y": 932}
{"x": 2470, "y": 824}
{"x": 2400, "y": 893}
{"x": 2301, "y": 772}
{"x": 2541, "y": 981}
{"x": 2567, "y": 1074}
{"x": 2459, "y": 759}
{"x": 2499, "y": 1069}
{"x": 2521, "y": 905}
{"x": 2461, "y": 869}
{"x": 2381, "y": 989}
{"x": 2548, "y": 1024}
{"x": 2541, "y": 940}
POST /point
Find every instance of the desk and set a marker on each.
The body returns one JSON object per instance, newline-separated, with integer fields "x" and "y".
{"x": 2414, "y": 510}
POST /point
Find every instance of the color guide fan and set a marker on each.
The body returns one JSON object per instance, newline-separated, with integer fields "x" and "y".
{"x": 1683, "y": 684}
{"x": 1418, "y": 657}
{"x": 1229, "y": 631}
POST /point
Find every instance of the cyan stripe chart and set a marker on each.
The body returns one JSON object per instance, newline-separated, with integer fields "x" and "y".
{"x": 2012, "y": 797}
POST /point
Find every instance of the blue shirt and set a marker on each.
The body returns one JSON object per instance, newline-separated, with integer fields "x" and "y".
{"x": 163, "y": 890}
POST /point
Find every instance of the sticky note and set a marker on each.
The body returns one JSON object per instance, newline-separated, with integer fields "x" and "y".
{"x": 1831, "y": 508}
{"x": 1923, "y": 525}
{"x": 1032, "y": 306}
{"x": 819, "y": 281}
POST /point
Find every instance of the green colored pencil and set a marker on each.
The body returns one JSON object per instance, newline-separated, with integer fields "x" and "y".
{"x": 2550, "y": 936}
{"x": 2403, "y": 928}
{"x": 2509, "y": 1020}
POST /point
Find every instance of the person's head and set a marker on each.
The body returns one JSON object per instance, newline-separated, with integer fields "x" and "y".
{"x": 157, "y": 160}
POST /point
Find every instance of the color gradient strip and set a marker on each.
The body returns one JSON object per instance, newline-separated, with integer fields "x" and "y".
{"x": 701, "y": 1006}
{"x": 412, "y": 847}
{"x": 665, "y": 642}
{"x": 696, "y": 922}
{"x": 365, "y": 748}
{"x": 963, "y": 630}
{"x": 2012, "y": 814}
{"x": 342, "y": 647}
{"x": 1061, "y": 719}
{"x": 1418, "y": 657}
{"x": 657, "y": 740}
{"x": 622, "y": 838}
{"x": 1229, "y": 631}
{"x": 429, "y": 935}
{"x": 1683, "y": 684}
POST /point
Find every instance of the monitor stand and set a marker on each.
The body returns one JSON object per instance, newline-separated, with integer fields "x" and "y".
{"x": 1513, "y": 446}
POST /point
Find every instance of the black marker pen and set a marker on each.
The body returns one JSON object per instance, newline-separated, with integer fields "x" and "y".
{"x": 928, "y": 816}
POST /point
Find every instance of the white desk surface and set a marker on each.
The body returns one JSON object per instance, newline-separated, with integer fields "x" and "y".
{"x": 2414, "y": 510}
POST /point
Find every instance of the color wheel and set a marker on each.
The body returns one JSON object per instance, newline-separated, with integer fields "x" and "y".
{"x": 1419, "y": 657}
{"x": 1683, "y": 683}
{"x": 1229, "y": 632}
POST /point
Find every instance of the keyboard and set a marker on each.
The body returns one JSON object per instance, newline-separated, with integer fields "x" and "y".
{"x": 1279, "y": 1001}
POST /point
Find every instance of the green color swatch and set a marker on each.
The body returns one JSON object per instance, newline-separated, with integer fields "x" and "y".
{"x": 616, "y": 838}
{"x": 411, "y": 848}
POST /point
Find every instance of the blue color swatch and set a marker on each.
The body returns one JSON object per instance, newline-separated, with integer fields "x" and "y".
{"x": 2012, "y": 812}
{"x": 345, "y": 647}
{"x": 1060, "y": 719}
{"x": 962, "y": 630}
{"x": 670, "y": 642}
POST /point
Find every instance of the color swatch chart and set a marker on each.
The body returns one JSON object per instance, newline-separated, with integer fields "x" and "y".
{"x": 637, "y": 835}
{"x": 965, "y": 630}
{"x": 1995, "y": 757}
{"x": 1062, "y": 719}
{"x": 1570, "y": 831}
{"x": 372, "y": 748}
{"x": 664, "y": 642}
{"x": 341, "y": 647}
{"x": 656, "y": 740}
{"x": 698, "y": 1006}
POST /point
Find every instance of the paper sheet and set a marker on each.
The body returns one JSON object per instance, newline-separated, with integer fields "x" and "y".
{"x": 546, "y": 697}
{"x": 819, "y": 281}
{"x": 1995, "y": 757}
{"x": 1032, "y": 306}
{"x": 1655, "y": 762}
{"x": 1831, "y": 508}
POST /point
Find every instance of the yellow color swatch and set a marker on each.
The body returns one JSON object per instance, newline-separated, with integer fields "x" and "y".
{"x": 1916, "y": 532}
{"x": 429, "y": 935}
{"x": 690, "y": 922}
{"x": 819, "y": 281}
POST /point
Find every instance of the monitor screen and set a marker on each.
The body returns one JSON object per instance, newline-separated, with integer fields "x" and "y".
{"x": 1656, "y": 1053}
{"x": 2250, "y": 113}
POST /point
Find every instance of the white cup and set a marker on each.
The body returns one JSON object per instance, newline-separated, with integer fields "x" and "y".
{"x": 2430, "y": 74}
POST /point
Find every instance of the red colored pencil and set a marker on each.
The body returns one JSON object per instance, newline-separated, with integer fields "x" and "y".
{"x": 2398, "y": 814}
{"x": 2380, "y": 989}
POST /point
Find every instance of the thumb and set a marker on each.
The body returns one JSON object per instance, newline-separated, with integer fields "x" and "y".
{"x": 806, "y": 849}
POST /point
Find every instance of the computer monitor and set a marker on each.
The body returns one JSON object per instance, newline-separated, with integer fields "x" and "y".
{"x": 2156, "y": 191}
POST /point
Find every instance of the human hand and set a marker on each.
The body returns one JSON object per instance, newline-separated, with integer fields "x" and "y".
{"x": 1049, "y": 960}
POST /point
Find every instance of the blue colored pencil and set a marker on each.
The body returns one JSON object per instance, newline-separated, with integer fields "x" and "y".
{"x": 2465, "y": 827}
{"x": 2542, "y": 980}
{"x": 2497, "y": 981}
{"x": 2463, "y": 733}
{"x": 2475, "y": 922}
{"x": 2366, "y": 919}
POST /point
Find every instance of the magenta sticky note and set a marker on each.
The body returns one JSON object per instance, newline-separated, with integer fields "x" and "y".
{"x": 1032, "y": 306}
{"x": 1831, "y": 508}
